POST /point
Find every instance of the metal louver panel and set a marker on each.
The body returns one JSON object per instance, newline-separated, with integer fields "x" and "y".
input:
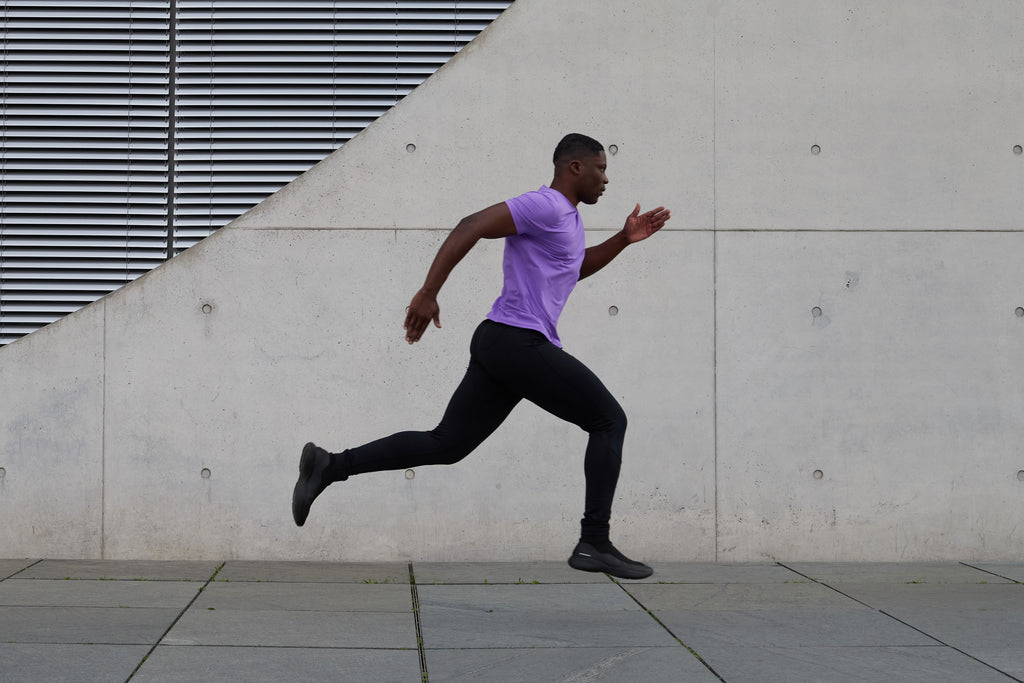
{"x": 131, "y": 129}
{"x": 83, "y": 154}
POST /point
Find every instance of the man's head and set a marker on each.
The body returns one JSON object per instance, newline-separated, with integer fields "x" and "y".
{"x": 576, "y": 146}
{"x": 580, "y": 168}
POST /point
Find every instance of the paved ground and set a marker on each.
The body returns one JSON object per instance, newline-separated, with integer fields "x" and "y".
{"x": 273, "y": 621}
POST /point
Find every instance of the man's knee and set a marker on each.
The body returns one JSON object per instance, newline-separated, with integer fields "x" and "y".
{"x": 452, "y": 448}
{"x": 612, "y": 420}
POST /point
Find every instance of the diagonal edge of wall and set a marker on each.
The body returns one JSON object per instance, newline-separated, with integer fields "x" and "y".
{"x": 483, "y": 127}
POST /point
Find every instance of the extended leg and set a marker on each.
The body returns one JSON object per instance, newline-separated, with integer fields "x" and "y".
{"x": 478, "y": 406}
{"x": 475, "y": 410}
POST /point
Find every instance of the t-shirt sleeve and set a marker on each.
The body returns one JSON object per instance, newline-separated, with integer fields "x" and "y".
{"x": 531, "y": 211}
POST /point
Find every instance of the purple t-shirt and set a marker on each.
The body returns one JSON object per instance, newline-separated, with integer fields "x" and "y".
{"x": 541, "y": 263}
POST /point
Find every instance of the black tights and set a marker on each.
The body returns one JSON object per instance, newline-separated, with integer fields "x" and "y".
{"x": 508, "y": 364}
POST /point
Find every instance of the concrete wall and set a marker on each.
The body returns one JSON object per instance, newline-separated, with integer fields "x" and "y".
{"x": 820, "y": 356}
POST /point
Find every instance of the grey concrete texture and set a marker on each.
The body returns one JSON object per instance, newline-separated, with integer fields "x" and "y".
{"x": 927, "y": 623}
{"x": 139, "y": 570}
{"x": 817, "y": 355}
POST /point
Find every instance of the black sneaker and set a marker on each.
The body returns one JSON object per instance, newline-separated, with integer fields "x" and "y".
{"x": 587, "y": 558}
{"x": 311, "y": 483}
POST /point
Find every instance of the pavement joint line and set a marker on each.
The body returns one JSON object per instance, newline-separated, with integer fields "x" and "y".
{"x": 830, "y": 587}
{"x": 249, "y": 646}
{"x": 424, "y": 676}
{"x": 668, "y": 630}
{"x": 992, "y": 573}
{"x": 175, "y": 621}
{"x": 907, "y": 624}
{"x": 453, "y": 648}
{"x": 23, "y": 569}
{"x": 951, "y": 647}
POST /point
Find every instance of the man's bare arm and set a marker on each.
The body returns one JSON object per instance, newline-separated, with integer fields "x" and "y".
{"x": 490, "y": 223}
{"x": 639, "y": 226}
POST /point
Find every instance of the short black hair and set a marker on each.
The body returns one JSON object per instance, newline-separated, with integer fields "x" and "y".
{"x": 575, "y": 145}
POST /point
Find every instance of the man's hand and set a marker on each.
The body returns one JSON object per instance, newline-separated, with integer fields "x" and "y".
{"x": 640, "y": 226}
{"x": 418, "y": 315}
{"x": 490, "y": 223}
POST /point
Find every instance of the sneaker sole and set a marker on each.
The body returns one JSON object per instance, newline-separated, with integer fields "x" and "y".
{"x": 591, "y": 564}
{"x": 307, "y": 463}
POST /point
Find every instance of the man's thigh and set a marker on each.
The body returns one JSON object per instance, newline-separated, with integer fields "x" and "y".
{"x": 532, "y": 367}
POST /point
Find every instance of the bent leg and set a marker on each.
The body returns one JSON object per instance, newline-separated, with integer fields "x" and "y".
{"x": 554, "y": 380}
{"x": 578, "y": 396}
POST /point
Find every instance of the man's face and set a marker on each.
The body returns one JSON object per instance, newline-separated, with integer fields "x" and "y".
{"x": 592, "y": 178}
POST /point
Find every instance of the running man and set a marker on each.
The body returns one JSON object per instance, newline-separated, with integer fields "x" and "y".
{"x": 516, "y": 353}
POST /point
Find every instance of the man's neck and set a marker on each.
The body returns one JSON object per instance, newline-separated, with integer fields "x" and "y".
{"x": 566, "y": 191}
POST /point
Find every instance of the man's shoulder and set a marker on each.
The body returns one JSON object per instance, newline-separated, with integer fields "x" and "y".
{"x": 543, "y": 205}
{"x": 541, "y": 196}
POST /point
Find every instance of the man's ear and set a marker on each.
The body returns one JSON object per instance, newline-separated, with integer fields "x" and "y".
{"x": 576, "y": 167}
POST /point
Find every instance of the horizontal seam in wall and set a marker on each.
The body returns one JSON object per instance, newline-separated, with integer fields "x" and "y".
{"x": 897, "y": 231}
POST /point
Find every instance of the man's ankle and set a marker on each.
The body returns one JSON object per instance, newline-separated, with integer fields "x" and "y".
{"x": 600, "y": 543}
{"x": 337, "y": 470}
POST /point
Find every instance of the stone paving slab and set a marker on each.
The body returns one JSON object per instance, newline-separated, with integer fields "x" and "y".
{"x": 316, "y": 572}
{"x": 144, "y": 570}
{"x": 323, "y": 597}
{"x": 787, "y": 614}
{"x": 502, "y": 572}
{"x": 1009, "y": 660}
{"x": 970, "y": 617}
{"x": 11, "y": 567}
{"x": 24, "y": 662}
{"x": 463, "y": 628}
{"x": 705, "y": 572}
{"x": 90, "y": 593}
{"x": 737, "y": 664}
{"x": 542, "y": 616}
{"x": 967, "y": 628}
{"x": 893, "y": 572}
{"x": 101, "y": 625}
{"x": 860, "y": 627}
{"x": 1012, "y": 572}
{"x": 568, "y": 664}
{"x": 897, "y": 598}
{"x": 280, "y": 628}
{"x": 178, "y": 664}
{"x": 739, "y": 596}
{"x": 581, "y": 598}
{"x": 260, "y": 621}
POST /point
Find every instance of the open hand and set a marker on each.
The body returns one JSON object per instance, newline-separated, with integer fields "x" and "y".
{"x": 418, "y": 315}
{"x": 640, "y": 226}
